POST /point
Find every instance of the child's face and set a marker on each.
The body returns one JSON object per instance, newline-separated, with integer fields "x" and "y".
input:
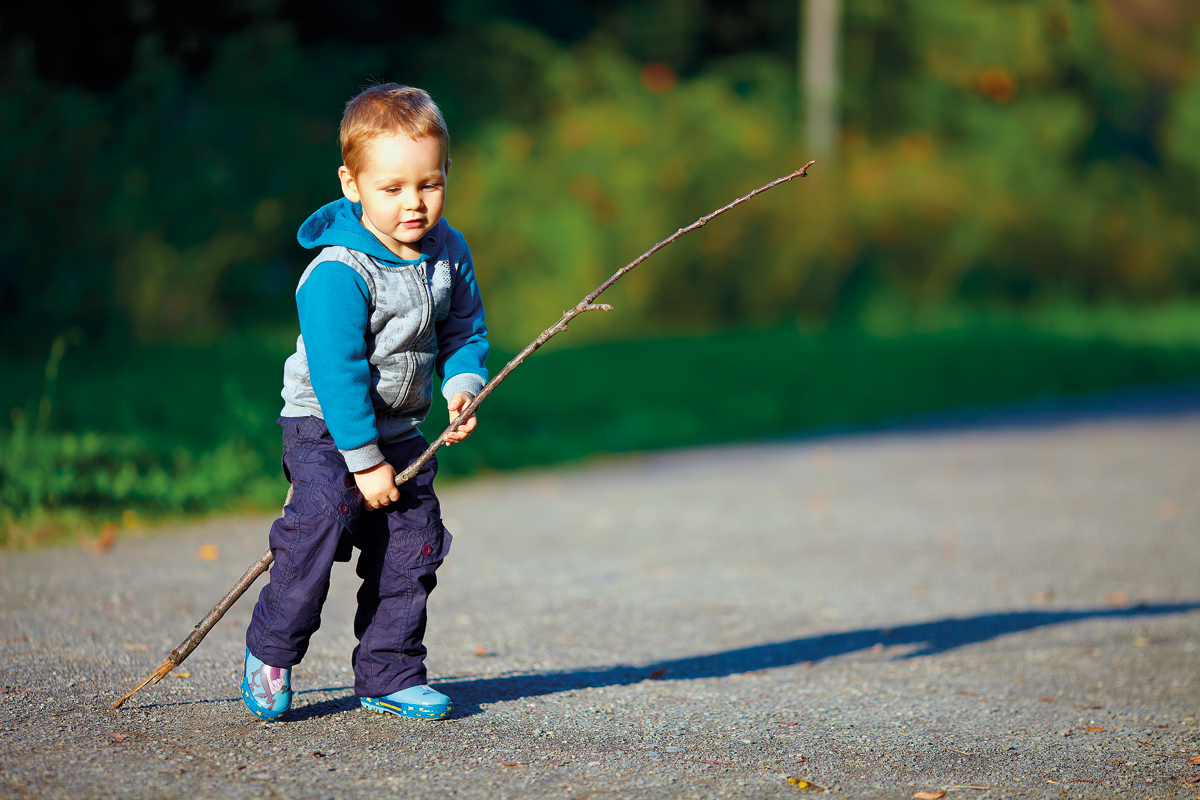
{"x": 402, "y": 188}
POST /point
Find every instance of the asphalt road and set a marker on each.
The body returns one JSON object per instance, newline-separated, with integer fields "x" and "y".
{"x": 1008, "y": 607}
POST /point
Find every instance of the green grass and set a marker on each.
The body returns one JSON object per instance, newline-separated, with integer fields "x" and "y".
{"x": 149, "y": 433}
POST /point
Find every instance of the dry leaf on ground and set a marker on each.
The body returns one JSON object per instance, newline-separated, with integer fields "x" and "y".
{"x": 181, "y": 675}
{"x": 1194, "y": 759}
{"x": 1116, "y": 599}
{"x": 928, "y": 795}
{"x": 805, "y": 786}
{"x": 102, "y": 543}
{"x": 208, "y": 552}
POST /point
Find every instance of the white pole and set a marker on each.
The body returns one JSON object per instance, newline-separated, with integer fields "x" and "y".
{"x": 820, "y": 20}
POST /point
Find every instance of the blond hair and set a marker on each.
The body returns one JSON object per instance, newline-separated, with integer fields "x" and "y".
{"x": 388, "y": 109}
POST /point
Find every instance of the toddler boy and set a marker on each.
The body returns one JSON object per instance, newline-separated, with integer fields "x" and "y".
{"x": 390, "y": 299}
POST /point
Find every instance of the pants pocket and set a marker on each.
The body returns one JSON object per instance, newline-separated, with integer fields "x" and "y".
{"x": 419, "y": 548}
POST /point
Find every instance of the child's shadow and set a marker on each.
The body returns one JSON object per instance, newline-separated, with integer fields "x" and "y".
{"x": 937, "y": 636}
{"x": 929, "y": 638}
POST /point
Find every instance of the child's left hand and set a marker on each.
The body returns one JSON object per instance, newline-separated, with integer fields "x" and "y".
{"x": 457, "y": 403}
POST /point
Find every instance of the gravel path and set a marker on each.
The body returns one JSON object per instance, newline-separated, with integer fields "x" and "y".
{"x": 1011, "y": 604}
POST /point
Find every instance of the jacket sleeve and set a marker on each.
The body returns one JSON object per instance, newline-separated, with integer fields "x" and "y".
{"x": 462, "y": 336}
{"x": 334, "y": 308}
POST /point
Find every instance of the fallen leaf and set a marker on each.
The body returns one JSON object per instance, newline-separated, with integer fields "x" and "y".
{"x": 130, "y": 646}
{"x": 1194, "y": 760}
{"x": 119, "y": 737}
{"x": 1094, "y": 728}
{"x": 1082, "y": 780}
{"x": 929, "y": 795}
{"x": 658, "y": 673}
{"x": 1116, "y": 599}
{"x": 208, "y": 552}
{"x": 805, "y": 786}
{"x": 104, "y": 542}
{"x": 785, "y": 723}
{"x": 511, "y": 764}
{"x": 482, "y": 652}
{"x": 181, "y": 675}
{"x": 1092, "y": 707}
{"x": 800, "y": 759}
{"x": 1047, "y": 699}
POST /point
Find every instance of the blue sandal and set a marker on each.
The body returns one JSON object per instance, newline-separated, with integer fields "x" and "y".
{"x": 419, "y": 702}
{"x": 266, "y": 690}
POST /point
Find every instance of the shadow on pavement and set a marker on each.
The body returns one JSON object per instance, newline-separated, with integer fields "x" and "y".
{"x": 937, "y": 636}
{"x": 930, "y": 638}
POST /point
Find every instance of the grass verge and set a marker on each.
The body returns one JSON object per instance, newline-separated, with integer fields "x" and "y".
{"x": 106, "y": 437}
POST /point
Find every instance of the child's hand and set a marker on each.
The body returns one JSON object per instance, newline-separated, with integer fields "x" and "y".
{"x": 457, "y": 403}
{"x": 378, "y": 485}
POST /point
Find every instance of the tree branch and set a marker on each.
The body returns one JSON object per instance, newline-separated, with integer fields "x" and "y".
{"x": 586, "y": 304}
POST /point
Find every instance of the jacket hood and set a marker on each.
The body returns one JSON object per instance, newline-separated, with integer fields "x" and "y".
{"x": 338, "y": 223}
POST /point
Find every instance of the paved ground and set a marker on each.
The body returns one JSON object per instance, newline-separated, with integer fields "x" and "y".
{"x": 1013, "y": 605}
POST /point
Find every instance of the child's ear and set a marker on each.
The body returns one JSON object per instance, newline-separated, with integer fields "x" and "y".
{"x": 446, "y": 169}
{"x": 349, "y": 187}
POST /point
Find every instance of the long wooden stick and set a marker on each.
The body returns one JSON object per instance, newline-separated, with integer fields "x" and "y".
{"x": 586, "y": 304}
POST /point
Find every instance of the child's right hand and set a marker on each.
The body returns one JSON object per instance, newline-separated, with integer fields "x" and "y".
{"x": 378, "y": 485}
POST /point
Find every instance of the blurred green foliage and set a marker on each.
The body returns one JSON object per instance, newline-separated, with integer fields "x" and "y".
{"x": 994, "y": 151}
{"x": 1035, "y": 161}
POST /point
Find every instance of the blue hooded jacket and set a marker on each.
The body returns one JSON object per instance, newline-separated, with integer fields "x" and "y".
{"x": 375, "y": 327}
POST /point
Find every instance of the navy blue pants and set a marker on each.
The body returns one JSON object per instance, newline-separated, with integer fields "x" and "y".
{"x": 401, "y": 547}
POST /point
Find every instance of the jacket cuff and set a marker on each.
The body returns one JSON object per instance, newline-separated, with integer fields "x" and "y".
{"x": 365, "y": 457}
{"x": 462, "y": 382}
